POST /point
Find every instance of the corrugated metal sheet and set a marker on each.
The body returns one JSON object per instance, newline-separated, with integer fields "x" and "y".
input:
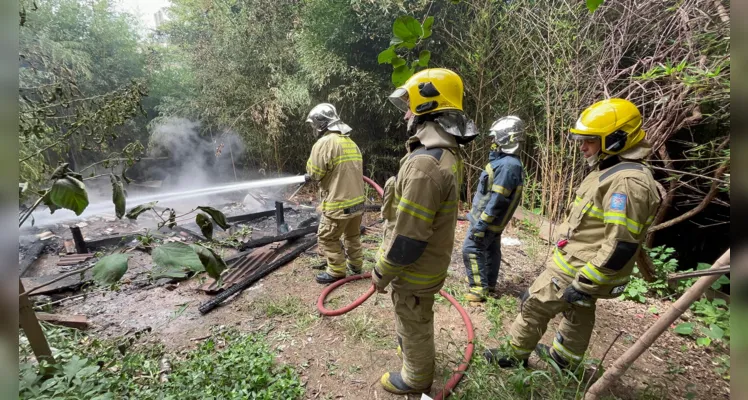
{"x": 242, "y": 267}
{"x": 73, "y": 259}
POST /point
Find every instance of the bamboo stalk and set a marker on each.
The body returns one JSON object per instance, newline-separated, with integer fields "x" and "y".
{"x": 622, "y": 364}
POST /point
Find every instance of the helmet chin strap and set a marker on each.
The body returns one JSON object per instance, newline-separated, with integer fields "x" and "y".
{"x": 595, "y": 158}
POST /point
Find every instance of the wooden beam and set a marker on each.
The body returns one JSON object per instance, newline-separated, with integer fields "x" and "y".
{"x": 71, "y": 321}
{"x": 30, "y": 325}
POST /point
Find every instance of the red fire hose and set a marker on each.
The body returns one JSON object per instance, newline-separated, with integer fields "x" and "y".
{"x": 455, "y": 378}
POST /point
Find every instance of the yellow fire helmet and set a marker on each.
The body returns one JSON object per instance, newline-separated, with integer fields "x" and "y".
{"x": 430, "y": 90}
{"x": 616, "y": 122}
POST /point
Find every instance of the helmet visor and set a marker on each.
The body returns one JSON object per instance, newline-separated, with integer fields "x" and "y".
{"x": 400, "y": 99}
{"x": 578, "y": 136}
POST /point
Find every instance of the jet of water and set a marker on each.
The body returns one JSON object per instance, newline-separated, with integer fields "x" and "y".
{"x": 43, "y": 217}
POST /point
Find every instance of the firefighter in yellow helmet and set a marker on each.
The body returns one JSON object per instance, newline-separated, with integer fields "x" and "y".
{"x": 336, "y": 163}
{"x": 420, "y": 210}
{"x": 600, "y": 237}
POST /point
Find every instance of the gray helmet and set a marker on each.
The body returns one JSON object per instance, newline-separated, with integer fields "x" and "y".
{"x": 508, "y": 132}
{"x": 324, "y": 117}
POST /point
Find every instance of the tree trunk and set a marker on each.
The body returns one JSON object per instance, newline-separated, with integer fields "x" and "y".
{"x": 622, "y": 364}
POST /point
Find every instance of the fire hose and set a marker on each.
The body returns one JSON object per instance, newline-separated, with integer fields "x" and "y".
{"x": 459, "y": 372}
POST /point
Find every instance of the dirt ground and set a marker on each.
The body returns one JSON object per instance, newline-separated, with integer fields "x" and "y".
{"x": 344, "y": 357}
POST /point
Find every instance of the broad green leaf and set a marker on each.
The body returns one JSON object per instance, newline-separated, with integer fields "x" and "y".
{"x": 408, "y": 44}
{"x": 395, "y": 41}
{"x": 719, "y": 302}
{"x": 423, "y": 58}
{"x": 163, "y": 272}
{"x": 397, "y": 61}
{"x": 217, "y": 216}
{"x": 723, "y": 280}
{"x": 205, "y": 224}
{"x": 426, "y": 27}
{"x": 407, "y": 28}
{"x": 136, "y": 211}
{"x": 592, "y": 5}
{"x": 685, "y": 328}
{"x": 69, "y": 193}
{"x": 702, "y": 266}
{"x": 176, "y": 257}
{"x": 88, "y": 371}
{"x": 714, "y": 332}
{"x": 74, "y": 365}
{"x": 118, "y": 196}
{"x": 110, "y": 269}
{"x": 212, "y": 262}
{"x": 400, "y": 75}
{"x": 47, "y": 200}
{"x": 386, "y": 56}
{"x": 49, "y": 384}
{"x": 703, "y": 341}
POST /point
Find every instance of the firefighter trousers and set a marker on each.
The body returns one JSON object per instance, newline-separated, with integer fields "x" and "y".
{"x": 482, "y": 257}
{"x": 329, "y": 236}
{"x": 414, "y": 324}
{"x": 539, "y": 305}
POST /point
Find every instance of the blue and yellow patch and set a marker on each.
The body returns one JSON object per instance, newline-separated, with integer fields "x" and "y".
{"x": 618, "y": 202}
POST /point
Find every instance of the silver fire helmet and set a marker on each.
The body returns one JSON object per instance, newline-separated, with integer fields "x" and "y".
{"x": 508, "y": 132}
{"x": 323, "y": 117}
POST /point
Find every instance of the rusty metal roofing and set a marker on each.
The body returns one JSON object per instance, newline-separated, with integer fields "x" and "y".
{"x": 243, "y": 267}
{"x": 73, "y": 259}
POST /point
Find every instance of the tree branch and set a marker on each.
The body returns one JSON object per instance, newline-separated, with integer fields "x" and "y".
{"x": 704, "y": 202}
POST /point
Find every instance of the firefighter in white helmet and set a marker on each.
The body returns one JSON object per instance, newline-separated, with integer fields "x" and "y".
{"x": 497, "y": 196}
{"x": 336, "y": 163}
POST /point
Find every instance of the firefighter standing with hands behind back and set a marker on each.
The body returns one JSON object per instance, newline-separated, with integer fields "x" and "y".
{"x": 600, "y": 237}
{"x": 336, "y": 163}
{"x": 420, "y": 209}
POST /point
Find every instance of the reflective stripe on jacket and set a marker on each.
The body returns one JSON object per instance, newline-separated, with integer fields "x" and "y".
{"x": 336, "y": 162}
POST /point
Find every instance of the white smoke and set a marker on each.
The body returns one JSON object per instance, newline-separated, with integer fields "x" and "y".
{"x": 195, "y": 160}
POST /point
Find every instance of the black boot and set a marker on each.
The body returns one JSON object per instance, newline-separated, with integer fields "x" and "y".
{"x": 496, "y": 356}
{"x": 325, "y": 278}
{"x": 354, "y": 270}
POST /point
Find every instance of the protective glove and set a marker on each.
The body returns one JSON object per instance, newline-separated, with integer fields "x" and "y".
{"x": 376, "y": 281}
{"x": 574, "y": 296}
{"x": 307, "y": 178}
{"x": 478, "y": 232}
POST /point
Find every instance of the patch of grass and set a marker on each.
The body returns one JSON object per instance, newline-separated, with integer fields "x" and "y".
{"x": 306, "y": 321}
{"x": 363, "y": 328}
{"x": 89, "y": 368}
{"x": 498, "y": 309}
{"x": 371, "y": 239}
{"x": 453, "y": 287}
{"x": 289, "y": 306}
{"x": 486, "y": 381}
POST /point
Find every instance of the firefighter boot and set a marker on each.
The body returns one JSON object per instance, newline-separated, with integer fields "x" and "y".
{"x": 503, "y": 360}
{"x": 325, "y": 278}
{"x": 393, "y": 383}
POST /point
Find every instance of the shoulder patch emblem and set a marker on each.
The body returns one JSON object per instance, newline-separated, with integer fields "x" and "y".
{"x": 618, "y": 202}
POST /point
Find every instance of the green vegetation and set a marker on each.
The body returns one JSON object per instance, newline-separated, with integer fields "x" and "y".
{"x": 229, "y": 365}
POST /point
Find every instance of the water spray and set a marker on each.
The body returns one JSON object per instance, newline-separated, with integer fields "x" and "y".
{"x": 103, "y": 207}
